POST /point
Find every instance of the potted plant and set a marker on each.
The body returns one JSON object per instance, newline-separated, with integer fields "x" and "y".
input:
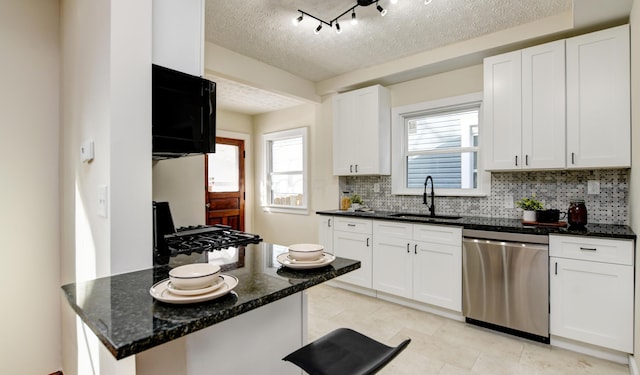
{"x": 356, "y": 201}
{"x": 529, "y": 206}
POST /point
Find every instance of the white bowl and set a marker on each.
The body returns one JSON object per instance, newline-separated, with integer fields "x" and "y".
{"x": 194, "y": 276}
{"x": 305, "y": 251}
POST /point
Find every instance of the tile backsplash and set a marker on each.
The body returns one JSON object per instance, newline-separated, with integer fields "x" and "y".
{"x": 554, "y": 188}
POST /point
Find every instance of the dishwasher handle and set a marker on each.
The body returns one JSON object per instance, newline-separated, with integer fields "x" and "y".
{"x": 499, "y": 244}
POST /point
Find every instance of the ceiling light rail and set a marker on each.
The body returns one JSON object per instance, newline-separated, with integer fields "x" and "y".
{"x": 363, "y": 3}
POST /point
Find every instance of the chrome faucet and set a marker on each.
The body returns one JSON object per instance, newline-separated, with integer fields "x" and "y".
{"x": 432, "y": 207}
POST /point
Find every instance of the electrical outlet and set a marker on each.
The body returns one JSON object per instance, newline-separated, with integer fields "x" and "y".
{"x": 508, "y": 201}
{"x": 103, "y": 193}
{"x": 376, "y": 187}
{"x": 593, "y": 187}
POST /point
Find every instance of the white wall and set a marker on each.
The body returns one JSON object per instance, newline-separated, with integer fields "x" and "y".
{"x": 181, "y": 182}
{"x": 634, "y": 196}
{"x": 29, "y": 217}
{"x": 106, "y": 97}
{"x": 280, "y": 227}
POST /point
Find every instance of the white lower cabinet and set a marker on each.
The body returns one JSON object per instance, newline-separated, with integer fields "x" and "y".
{"x": 325, "y": 232}
{"x": 592, "y": 290}
{"x": 419, "y": 262}
{"x": 352, "y": 239}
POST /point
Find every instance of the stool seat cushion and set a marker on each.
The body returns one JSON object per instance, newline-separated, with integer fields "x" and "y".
{"x": 344, "y": 352}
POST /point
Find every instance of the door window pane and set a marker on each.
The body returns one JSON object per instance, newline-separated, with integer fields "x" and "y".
{"x": 224, "y": 169}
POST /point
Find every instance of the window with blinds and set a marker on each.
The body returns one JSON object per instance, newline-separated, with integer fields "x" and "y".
{"x": 439, "y": 139}
{"x": 443, "y": 145}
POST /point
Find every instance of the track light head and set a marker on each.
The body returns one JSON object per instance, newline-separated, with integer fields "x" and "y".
{"x": 381, "y": 10}
{"x": 317, "y": 30}
{"x": 354, "y": 20}
{"x": 296, "y": 21}
{"x": 338, "y": 31}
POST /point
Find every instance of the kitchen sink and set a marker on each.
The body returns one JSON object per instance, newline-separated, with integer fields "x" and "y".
{"x": 425, "y": 216}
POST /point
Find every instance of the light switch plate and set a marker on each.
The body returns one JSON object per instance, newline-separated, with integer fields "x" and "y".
{"x": 103, "y": 193}
{"x": 593, "y": 187}
{"x": 376, "y": 187}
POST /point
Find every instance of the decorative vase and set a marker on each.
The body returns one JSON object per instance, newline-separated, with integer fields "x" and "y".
{"x": 529, "y": 216}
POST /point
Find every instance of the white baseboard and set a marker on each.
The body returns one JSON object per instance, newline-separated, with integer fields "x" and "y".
{"x": 450, "y": 314}
{"x": 633, "y": 366}
{"x": 592, "y": 350}
{"x": 352, "y": 288}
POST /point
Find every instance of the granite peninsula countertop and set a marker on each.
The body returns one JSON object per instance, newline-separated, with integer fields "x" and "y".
{"x": 496, "y": 224}
{"x": 127, "y": 320}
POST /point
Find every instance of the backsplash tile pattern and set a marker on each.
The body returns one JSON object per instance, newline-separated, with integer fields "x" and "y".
{"x": 554, "y": 188}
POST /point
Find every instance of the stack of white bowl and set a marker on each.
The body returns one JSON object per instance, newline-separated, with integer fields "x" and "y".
{"x": 192, "y": 278}
{"x": 306, "y": 252}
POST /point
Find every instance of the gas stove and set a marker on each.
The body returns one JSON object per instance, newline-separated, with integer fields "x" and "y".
{"x": 207, "y": 238}
{"x": 169, "y": 242}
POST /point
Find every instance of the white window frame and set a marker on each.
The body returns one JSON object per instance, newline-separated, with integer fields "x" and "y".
{"x": 398, "y": 146}
{"x": 266, "y": 204}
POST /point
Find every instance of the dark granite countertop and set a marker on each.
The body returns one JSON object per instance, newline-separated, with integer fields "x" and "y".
{"x": 497, "y": 224}
{"x": 127, "y": 320}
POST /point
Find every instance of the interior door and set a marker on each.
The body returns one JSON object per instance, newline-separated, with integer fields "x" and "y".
{"x": 224, "y": 176}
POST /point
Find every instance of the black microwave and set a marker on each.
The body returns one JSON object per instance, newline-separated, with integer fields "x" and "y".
{"x": 183, "y": 114}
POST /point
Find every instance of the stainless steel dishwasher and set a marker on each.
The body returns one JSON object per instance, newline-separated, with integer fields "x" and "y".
{"x": 505, "y": 282}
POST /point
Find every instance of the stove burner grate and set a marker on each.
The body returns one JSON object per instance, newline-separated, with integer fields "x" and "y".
{"x": 192, "y": 239}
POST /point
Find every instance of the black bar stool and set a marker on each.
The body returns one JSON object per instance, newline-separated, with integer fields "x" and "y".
{"x": 344, "y": 352}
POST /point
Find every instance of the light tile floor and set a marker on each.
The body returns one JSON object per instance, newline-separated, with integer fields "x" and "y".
{"x": 440, "y": 345}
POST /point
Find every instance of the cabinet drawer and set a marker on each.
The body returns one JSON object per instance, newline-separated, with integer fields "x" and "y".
{"x": 392, "y": 229}
{"x": 352, "y": 225}
{"x": 591, "y": 248}
{"x": 438, "y": 234}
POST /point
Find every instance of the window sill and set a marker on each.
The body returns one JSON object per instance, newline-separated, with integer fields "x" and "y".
{"x": 286, "y": 210}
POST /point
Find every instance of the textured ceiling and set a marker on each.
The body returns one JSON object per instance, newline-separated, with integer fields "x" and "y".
{"x": 237, "y": 97}
{"x": 262, "y": 29}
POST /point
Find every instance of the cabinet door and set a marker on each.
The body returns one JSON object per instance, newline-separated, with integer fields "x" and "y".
{"x": 592, "y": 302}
{"x": 362, "y": 132}
{"x": 354, "y": 246}
{"x": 392, "y": 265}
{"x": 343, "y": 133}
{"x": 437, "y": 274}
{"x": 543, "y": 106}
{"x": 502, "y": 111}
{"x": 325, "y": 232}
{"x": 598, "y": 99}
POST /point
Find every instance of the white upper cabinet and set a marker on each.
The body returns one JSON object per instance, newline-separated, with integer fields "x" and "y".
{"x": 178, "y": 35}
{"x": 503, "y": 111}
{"x": 524, "y": 108}
{"x": 543, "y": 106}
{"x": 362, "y": 132}
{"x": 598, "y": 99}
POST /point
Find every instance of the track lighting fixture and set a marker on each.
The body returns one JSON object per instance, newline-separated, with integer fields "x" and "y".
{"x": 354, "y": 20}
{"x": 296, "y": 21}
